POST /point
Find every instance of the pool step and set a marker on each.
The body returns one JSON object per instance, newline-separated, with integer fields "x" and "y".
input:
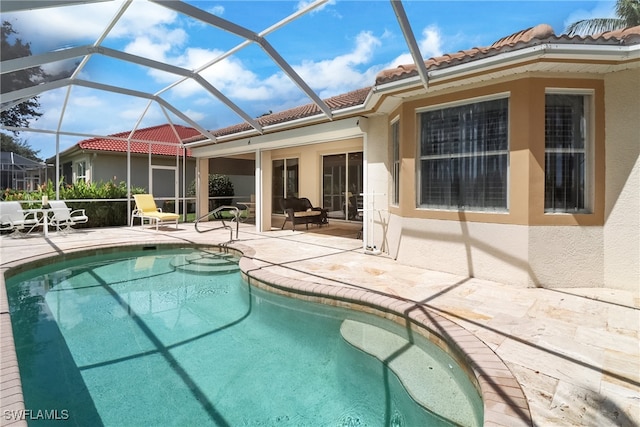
{"x": 207, "y": 263}
{"x": 425, "y": 379}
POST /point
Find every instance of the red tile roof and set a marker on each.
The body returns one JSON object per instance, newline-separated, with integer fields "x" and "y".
{"x": 539, "y": 34}
{"x": 162, "y": 133}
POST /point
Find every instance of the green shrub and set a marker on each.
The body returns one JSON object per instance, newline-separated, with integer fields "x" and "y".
{"x": 219, "y": 186}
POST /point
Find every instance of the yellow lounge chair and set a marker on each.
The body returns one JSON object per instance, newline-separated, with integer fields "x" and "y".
{"x": 146, "y": 209}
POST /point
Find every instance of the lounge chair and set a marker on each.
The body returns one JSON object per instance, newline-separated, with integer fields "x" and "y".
{"x": 13, "y": 218}
{"x": 146, "y": 209}
{"x": 63, "y": 218}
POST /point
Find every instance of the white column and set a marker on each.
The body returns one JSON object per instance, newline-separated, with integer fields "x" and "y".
{"x": 258, "y": 189}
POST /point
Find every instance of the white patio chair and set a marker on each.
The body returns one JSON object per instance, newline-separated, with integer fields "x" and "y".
{"x": 13, "y": 218}
{"x": 63, "y": 218}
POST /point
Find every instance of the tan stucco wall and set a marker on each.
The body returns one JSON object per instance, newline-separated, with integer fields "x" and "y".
{"x": 475, "y": 249}
{"x": 622, "y": 204}
{"x": 525, "y": 246}
{"x": 566, "y": 256}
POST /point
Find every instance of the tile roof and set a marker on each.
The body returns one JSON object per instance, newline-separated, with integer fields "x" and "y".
{"x": 539, "y": 34}
{"x": 339, "y": 102}
{"x": 162, "y": 133}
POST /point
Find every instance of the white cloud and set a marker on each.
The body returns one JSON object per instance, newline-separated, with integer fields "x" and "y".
{"x": 145, "y": 47}
{"x": 87, "y": 101}
{"x": 333, "y": 74}
{"x": 50, "y": 27}
{"x": 603, "y": 9}
{"x": 431, "y": 42}
{"x": 304, "y": 3}
{"x": 144, "y": 18}
{"x": 217, "y": 10}
{"x": 53, "y": 28}
{"x": 194, "y": 115}
{"x": 134, "y": 111}
{"x": 430, "y": 45}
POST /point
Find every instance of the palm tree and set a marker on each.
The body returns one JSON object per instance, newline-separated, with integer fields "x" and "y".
{"x": 627, "y": 15}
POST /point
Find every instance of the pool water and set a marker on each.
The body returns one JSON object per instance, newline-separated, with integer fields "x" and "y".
{"x": 176, "y": 337}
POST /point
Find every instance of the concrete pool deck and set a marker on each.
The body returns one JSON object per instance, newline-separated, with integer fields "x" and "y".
{"x": 574, "y": 352}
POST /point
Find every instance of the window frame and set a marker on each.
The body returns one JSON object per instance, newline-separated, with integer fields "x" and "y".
{"x": 588, "y": 116}
{"x": 81, "y": 177}
{"x": 286, "y": 164}
{"x": 394, "y": 128}
{"x": 506, "y": 152}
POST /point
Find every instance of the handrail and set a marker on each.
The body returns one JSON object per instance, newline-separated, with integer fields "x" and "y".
{"x": 236, "y": 219}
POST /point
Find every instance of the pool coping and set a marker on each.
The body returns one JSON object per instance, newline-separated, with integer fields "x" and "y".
{"x": 504, "y": 402}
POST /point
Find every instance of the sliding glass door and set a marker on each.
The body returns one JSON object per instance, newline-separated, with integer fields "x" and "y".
{"x": 285, "y": 178}
{"x": 342, "y": 185}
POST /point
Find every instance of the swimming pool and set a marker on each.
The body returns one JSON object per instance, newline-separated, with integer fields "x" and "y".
{"x": 176, "y": 337}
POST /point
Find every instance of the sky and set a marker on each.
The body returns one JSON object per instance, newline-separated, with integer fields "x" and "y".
{"x": 336, "y": 47}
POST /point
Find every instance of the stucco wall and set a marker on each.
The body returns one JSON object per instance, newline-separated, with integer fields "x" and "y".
{"x": 622, "y": 201}
{"x": 488, "y": 251}
{"x": 520, "y": 255}
{"x": 377, "y": 183}
{"x": 566, "y": 257}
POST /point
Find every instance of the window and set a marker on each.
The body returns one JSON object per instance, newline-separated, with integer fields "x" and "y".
{"x": 81, "y": 172}
{"x": 565, "y": 153}
{"x": 464, "y": 156}
{"x": 395, "y": 167}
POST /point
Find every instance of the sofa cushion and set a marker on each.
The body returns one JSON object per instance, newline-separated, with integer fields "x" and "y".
{"x": 301, "y": 214}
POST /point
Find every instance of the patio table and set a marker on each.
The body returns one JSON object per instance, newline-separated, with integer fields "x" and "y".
{"x": 42, "y": 214}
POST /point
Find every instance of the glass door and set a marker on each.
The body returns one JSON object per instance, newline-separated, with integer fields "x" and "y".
{"x": 342, "y": 185}
{"x": 284, "y": 183}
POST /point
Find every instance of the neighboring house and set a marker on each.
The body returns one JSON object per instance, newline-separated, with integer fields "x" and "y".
{"x": 20, "y": 173}
{"x": 517, "y": 162}
{"x": 158, "y": 160}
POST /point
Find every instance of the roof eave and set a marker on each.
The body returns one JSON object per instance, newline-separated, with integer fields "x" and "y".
{"x": 279, "y": 127}
{"x": 321, "y": 131}
{"x": 595, "y": 53}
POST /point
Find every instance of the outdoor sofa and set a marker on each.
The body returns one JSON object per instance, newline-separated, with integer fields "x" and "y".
{"x": 301, "y": 211}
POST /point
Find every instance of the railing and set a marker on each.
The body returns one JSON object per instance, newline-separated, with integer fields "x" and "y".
{"x": 236, "y": 219}
{"x": 109, "y": 212}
